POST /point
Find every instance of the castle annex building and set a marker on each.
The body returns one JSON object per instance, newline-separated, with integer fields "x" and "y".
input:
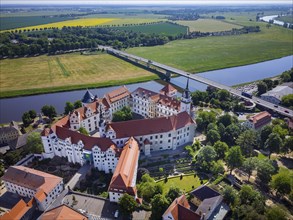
{"x": 167, "y": 124}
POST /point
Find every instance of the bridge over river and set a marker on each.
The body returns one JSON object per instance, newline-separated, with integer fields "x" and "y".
{"x": 168, "y": 70}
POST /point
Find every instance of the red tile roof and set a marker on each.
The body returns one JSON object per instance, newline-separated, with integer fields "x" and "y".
{"x": 117, "y": 94}
{"x": 18, "y": 211}
{"x": 260, "y": 119}
{"x": 63, "y": 212}
{"x": 31, "y": 178}
{"x": 167, "y": 89}
{"x": 122, "y": 178}
{"x": 88, "y": 141}
{"x": 150, "y": 126}
{"x": 180, "y": 210}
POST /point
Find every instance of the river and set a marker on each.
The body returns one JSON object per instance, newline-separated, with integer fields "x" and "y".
{"x": 13, "y": 108}
{"x": 274, "y": 18}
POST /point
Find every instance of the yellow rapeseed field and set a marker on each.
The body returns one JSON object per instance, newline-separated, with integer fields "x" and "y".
{"x": 84, "y": 22}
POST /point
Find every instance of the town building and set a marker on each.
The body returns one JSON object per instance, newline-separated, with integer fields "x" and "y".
{"x": 27, "y": 182}
{"x": 63, "y": 212}
{"x": 9, "y": 133}
{"x": 258, "y": 121}
{"x": 169, "y": 90}
{"x": 21, "y": 211}
{"x": 276, "y": 94}
{"x": 180, "y": 210}
{"x": 209, "y": 203}
{"x": 164, "y": 133}
{"x": 124, "y": 177}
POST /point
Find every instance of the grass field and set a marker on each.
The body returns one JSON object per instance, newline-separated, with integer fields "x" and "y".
{"x": 64, "y": 72}
{"x": 121, "y": 21}
{"x": 84, "y": 22}
{"x": 159, "y": 28}
{"x": 288, "y": 19}
{"x": 209, "y": 53}
{"x": 19, "y": 22}
{"x": 186, "y": 184}
{"x": 208, "y": 25}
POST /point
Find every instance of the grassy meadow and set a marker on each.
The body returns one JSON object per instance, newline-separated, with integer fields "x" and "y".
{"x": 288, "y": 19}
{"x": 209, "y": 53}
{"x": 208, "y": 25}
{"x": 33, "y": 75}
{"x": 158, "y": 28}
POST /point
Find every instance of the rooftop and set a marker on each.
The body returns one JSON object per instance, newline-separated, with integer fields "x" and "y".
{"x": 63, "y": 212}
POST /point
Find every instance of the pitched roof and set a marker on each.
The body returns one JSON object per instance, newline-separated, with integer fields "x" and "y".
{"x": 40, "y": 195}
{"x": 204, "y": 192}
{"x": 180, "y": 210}
{"x": 88, "y": 97}
{"x": 88, "y": 141}
{"x": 125, "y": 172}
{"x": 117, "y": 94}
{"x": 18, "y": 211}
{"x": 167, "y": 89}
{"x": 31, "y": 178}
{"x": 151, "y": 126}
{"x": 63, "y": 212}
{"x": 207, "y": 205}
{"x": 260, "y": 116}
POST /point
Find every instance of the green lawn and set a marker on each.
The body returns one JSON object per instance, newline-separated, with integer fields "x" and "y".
{"x": 208, "y": 25}
{"x": 41, "y": 74}
{"x": 209, "y": 53}
{"x": 158, "y": 28}
{"x": 186, "y": 184}
{"x": 288, "y": 19}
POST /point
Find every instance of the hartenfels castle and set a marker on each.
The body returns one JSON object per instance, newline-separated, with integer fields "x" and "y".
{"x": 115, "y": 146}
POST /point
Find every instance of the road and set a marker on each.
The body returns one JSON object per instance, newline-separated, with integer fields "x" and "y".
{"x": 277, "y": 108}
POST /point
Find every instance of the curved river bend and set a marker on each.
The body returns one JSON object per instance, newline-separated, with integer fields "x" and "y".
{"x": 13, "y": 108}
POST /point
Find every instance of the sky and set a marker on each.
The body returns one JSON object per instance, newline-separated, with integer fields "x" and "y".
{"x": 143, "y": 2}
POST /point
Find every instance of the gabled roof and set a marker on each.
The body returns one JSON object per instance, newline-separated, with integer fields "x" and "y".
{"x": 63, "y": 212}
{"x": 204, "y": 192}
{"x": 180, "y": 210}
{"x": 151, "y": 126}
{"x": 123, "y": 177}
{"x": 31, "y": 178}
{"x": 18, "y": 211}
{"x": 260, "y": 116}
{"x": 167, "y": 89}
{"x": 117, "y": 94}
{"x": 88, "y": 141}
{"x": 207, "y": 205}
{"x": 88, "y": 97}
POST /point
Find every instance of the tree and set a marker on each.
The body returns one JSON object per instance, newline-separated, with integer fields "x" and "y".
{"x": 49, "y": 111}
{"x": 276, "y": 212}
{"x": 262, "y": 88}
{"x": 77, "y": 104}
{"x": 223, "y": 95}
{"x": 220, "y": 148}
{"x": 34, "y": 143}
{"x": 282, "y": 132}
{"x": 127, "y": 204}
{"x": 247, "y": 141}
{"x": 234, "y": 158}
{"x": 231, "y": 134}
{"x": 230, "y": 195}
{"x": 159, "y": 205}
{"x": 32, "y": 114}
{"x": 205, "y": 157}
{"x": 247, "y": 195}
{"x": 173, "y": 193}
{"x": 199, "y": 96}
{"x": 250, "y": 165}
{"x": 226, "y": 120}
{"x": 123, "y": 115}
{"x": 148, "y": 188}
{"x": 82, "y": 130}
{"x": 265, "y": 132}
{"x": 265, "y": 170}
{"x": 69, "y": 107}
{"x": 287, "y": 145}
{"x": 273, "y": 143}
{"x": 141, "y": 172}
{"x": 204, "y": 118}
{"x": 26, "y": 119}
{"x": 213, "y": 136}
{"x": 282, "y": 183}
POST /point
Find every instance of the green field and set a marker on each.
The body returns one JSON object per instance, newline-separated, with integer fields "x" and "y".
{"x": 33, "y": 75}
{"x": 186, "y": 184}
{"x": 19, "y": 22}
{"x": 288, "y": 19}
{"x": 208, "y": 25}
{"x": 209, "y": 53}
{"x": 158, "y": 28}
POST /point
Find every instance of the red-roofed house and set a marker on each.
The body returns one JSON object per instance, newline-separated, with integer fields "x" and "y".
{"x": 43, "y": 187}
{"x": 259, "y": 120}
{"x": 63, "y": 212}
{"x": 169, "y": 90}
{"x": 180, "y": 210}
{"x": 124, "y": 177}
{"x": 21, "y": 211}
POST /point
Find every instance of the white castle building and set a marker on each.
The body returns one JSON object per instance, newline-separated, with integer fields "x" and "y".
{"x": 167, "y": 124}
